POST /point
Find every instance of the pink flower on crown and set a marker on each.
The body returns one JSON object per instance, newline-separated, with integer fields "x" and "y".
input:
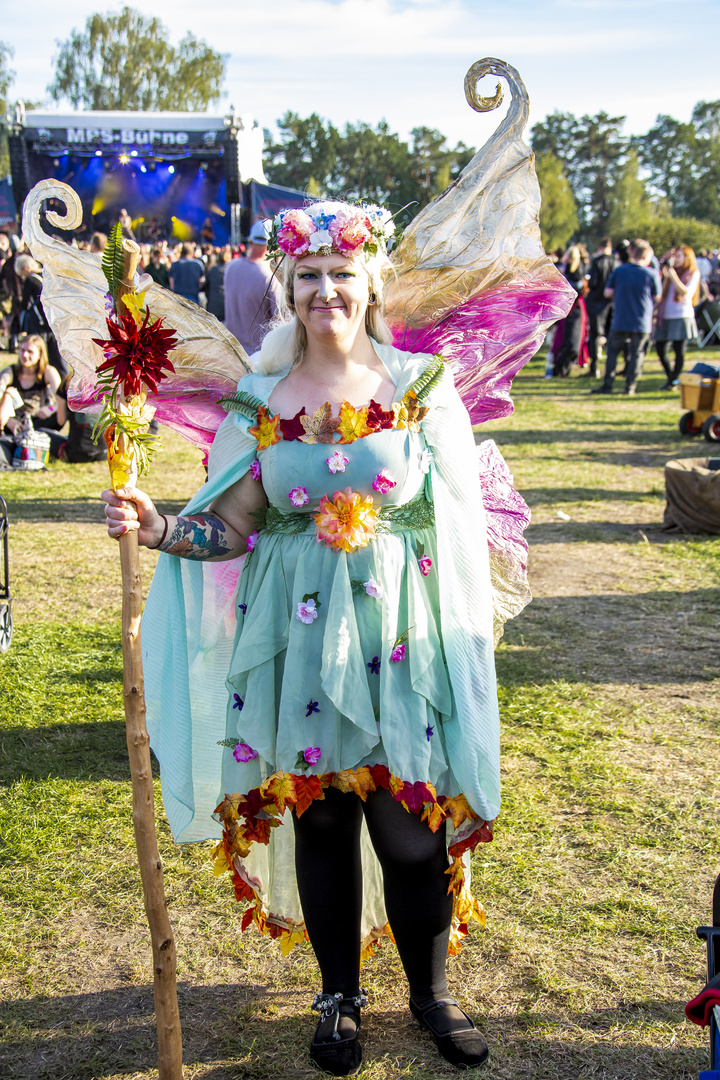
{"x": 295, "y": 232}
{"x": 350, "y": 228}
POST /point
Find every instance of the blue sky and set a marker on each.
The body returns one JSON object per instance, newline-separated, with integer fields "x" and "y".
{"x": 405, "y": 60}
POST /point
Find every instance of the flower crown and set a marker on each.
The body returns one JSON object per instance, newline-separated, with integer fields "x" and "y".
{"x": 327, "y": 227}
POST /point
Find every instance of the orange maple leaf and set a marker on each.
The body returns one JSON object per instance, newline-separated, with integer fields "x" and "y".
{"x": 308, "y": 788}
{"x": 321, "y": 426}
{"x": 457, "y": 876}
{"x": 281, "y": 786}
{"x": 266, "y": 431}
{"x": 457, "y": 808}
{"x": 353, "y": 423}
{"x": 433, "y": 814}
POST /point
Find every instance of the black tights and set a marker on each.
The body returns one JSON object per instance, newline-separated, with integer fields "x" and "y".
{"x": 329, "y": 875}
{"x": 662, "y": 351}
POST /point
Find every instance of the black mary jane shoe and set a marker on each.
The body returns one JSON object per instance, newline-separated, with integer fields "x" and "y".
{"x": 464, "y": 1048}
{"x": 329, "y": 1050}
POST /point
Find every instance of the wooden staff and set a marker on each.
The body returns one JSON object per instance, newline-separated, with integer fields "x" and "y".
{"x": 167, "y": 1015}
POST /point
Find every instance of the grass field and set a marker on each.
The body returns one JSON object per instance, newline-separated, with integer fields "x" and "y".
{"x": 606, "y": 849}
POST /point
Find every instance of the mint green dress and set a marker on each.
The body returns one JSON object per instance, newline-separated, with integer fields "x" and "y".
{"x": 304, "y": 666}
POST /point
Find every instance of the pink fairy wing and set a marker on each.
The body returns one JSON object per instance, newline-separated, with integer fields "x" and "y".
{"x": 473, "y": 280}
{"x": 208, "y": 360}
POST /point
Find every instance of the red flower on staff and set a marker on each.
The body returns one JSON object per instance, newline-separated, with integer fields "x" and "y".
{"x": 137, "y": 354}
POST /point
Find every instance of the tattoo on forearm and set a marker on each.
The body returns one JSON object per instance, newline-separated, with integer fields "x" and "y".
{"x": 201, "y": 536}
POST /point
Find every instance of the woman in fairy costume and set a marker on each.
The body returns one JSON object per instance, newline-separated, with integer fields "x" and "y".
{"x": 361, "y": 725}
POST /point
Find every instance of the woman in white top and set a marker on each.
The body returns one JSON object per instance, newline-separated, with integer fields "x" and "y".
{"x": 676, "y": 313}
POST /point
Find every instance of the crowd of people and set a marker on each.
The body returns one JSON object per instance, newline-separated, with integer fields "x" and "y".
{"x": 235, "y": 284}
{"x": 627, "y": 300}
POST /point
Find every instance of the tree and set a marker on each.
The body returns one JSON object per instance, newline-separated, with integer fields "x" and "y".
{"x": 306, "y": 151}
{"x": 6, "y": 79}
{"x": 374, "y": 164}
{"x": 591, "y": 149}
{"x": 125, "y": 61}
{"x": 558, "y": 212}
{"x": 628, "y": 201}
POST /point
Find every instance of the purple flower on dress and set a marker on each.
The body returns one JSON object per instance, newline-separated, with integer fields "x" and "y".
{"x": 374, "y": 665}
{"x": 337, "y": 462}
{"x": 252, "y": 541}
{"x": 425, "y": 565}
{"x": 109, "y": 304}
{"x": 306, "y": 611}
{"x": 373, "y": 589}
{"x": 255, "y": 470}
{"x": 398, "y": 653}
{"x": 429, "y": 732}
{"x": 299, "y": 496}
{"x": 239, "y": 703}
{"x": 312, "y": 755}
{"x": 243, "y": 752}
{"x": 312, "y": 706}
{"x": 243, "y": 608}
{"x": 384, "y": 482}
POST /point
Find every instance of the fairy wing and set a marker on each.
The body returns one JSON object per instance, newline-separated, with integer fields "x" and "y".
{"x": 473, "y": 281}
{"x": 208, "y": 360}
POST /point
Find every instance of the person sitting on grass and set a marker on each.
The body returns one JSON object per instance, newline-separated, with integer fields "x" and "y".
{"x": 29, "y": 389}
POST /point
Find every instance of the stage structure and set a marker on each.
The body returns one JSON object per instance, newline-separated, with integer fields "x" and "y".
{"x": 181, "y": 176}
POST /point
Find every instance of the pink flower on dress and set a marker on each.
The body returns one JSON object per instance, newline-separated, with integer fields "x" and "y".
{"x": 299, "y": 496}
{"x": 243, "y": 752}
{"x": 350, "y": 229}
{"x": 398, "y": 653}
{"x": 295, "y": 232}
{"x": 384, "y": 482}
{"x": 306, "y": 611}
{"x": 312, "y": 755}
{"x": 337, "y": 462}
{"x": 252, "y": 541}
{"x": 373, "y": 589}
{"x": 425, "y": 565}
{"x": 255, "y": 470}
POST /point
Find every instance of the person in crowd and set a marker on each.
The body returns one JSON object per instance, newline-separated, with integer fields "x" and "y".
{"x": 28, "y": 389}
{"x": 634, "y": 289}
{"x": 394, "y": 708}
{"x": 187, "y": 274}
{"x": 10, "y": 292}
{"x": 156, "y": 267}
{"x": 570, "y": 338}
{"x": 126, "y": 225}
{"x": 78, "y": 445}
{"x": 215, "y": 286}
{"x": 252, "y": 292}
{"x": 676, "y": 312}
{"x": 704, "y": 266}
{"x": 32, "y": 316}
{"x": 599, "y": 308}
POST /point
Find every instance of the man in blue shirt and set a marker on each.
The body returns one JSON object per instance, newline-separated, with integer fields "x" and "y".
{"x": 186, "y": 275}
{"x": 634, "y": 289}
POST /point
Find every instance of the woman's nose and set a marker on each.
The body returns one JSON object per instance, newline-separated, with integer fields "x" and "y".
{"x": 326, "y": 289}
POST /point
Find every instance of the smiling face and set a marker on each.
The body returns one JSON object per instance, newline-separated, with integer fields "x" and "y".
{"x": 331, "y": 295}
{"x": 28, "y": 354}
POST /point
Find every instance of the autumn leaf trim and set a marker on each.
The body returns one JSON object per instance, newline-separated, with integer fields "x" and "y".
{"x": 243, "y": 826}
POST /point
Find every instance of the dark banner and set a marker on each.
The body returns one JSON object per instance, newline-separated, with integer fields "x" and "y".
{"x": 269, "y": 199}
{"x": 144, "y": 141}
{"x": 7, "y": 203}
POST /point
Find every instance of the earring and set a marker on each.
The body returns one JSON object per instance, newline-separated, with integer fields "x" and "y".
{"x": 372, "y": 299}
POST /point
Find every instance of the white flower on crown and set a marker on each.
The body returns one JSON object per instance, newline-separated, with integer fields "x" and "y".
{"x": 318, "y": 240}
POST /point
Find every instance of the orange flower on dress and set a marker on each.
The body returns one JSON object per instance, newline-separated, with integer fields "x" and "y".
{"x": 353, "y": 423}
{"x": 266, "y": 431}
{"x": 347, "y": 521}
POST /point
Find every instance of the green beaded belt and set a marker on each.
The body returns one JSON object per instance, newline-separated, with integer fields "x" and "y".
{"x": 418, "y": 514}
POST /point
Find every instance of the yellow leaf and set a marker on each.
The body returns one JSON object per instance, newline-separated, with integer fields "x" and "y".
{"x": 281, "y": 786}
{"x": 289, "y": 940}
{"x": 135, "y": 303}
{"x": 353, "y": 423}
{"x": 266, "y": 431}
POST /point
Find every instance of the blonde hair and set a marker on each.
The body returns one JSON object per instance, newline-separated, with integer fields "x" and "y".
{"x": 286, "y": 340}
{"x": 43, "y": 360}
